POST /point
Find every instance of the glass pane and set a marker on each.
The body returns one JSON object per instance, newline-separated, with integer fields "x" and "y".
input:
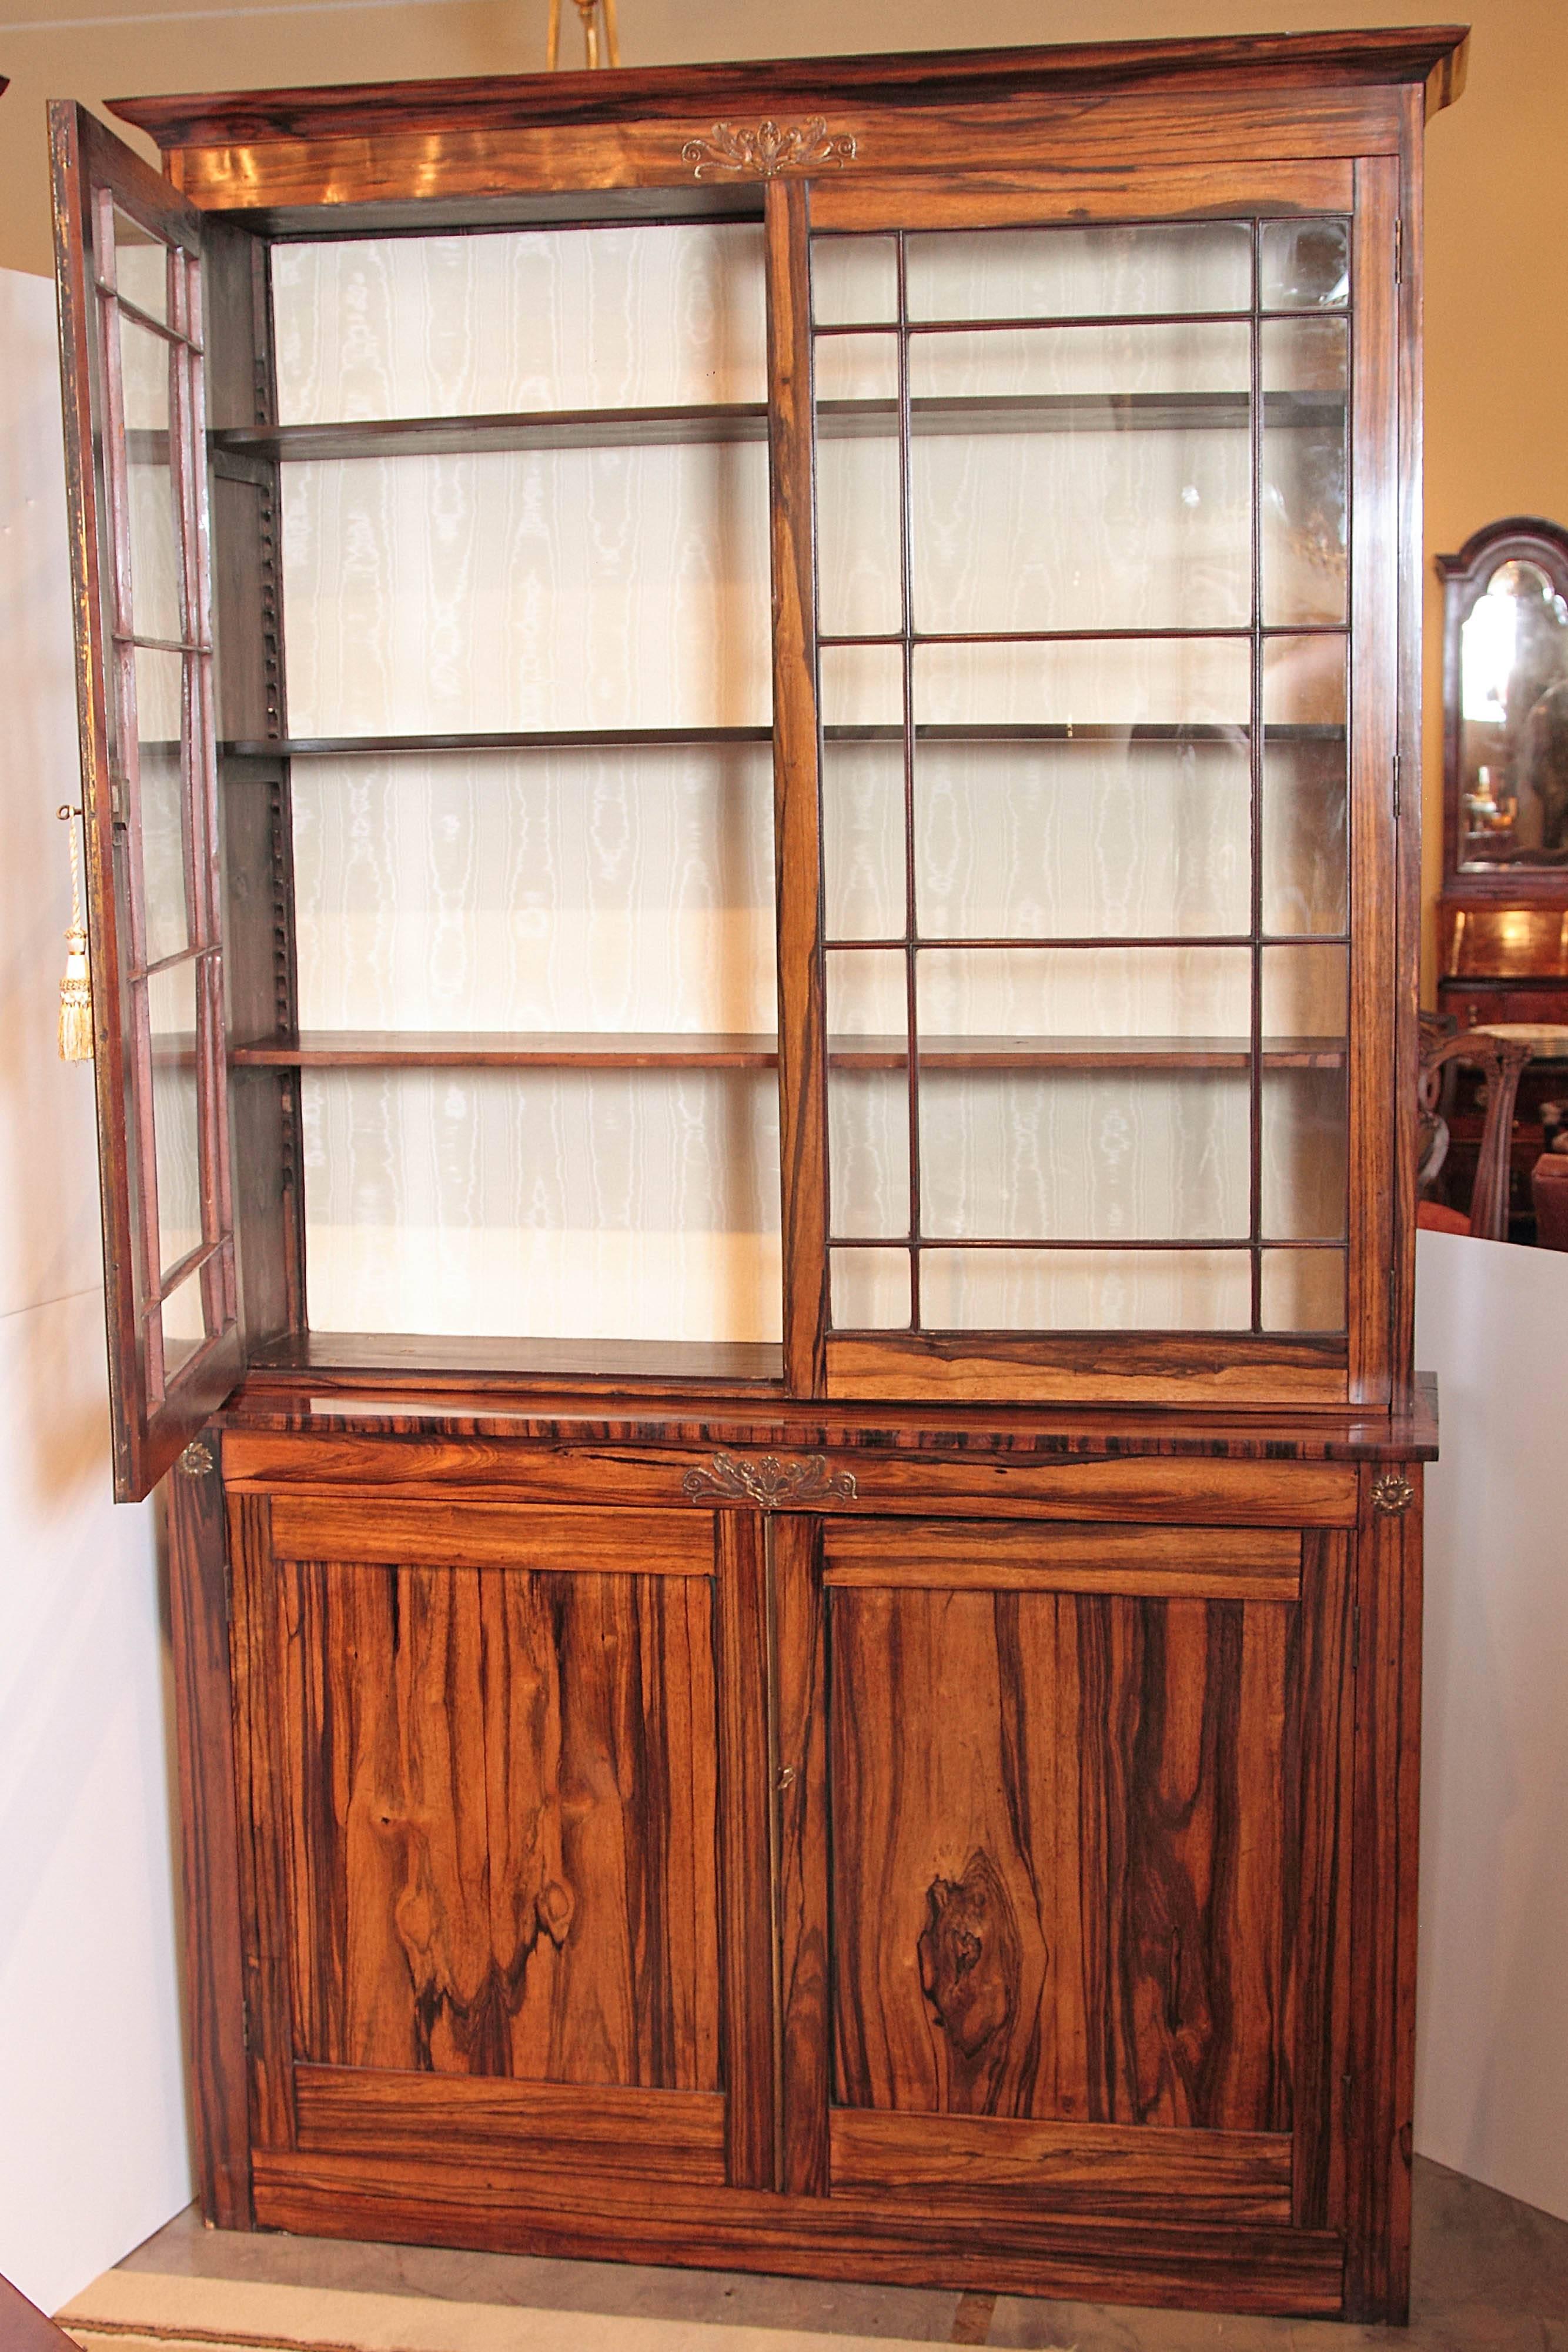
{"x": 868, "y": 1152}
{"x": 1303, "y": 1290}
{"x": 184, "y": 1324}
{"x": 546, "y": 588}
{"x": 854, "y": 280}
{"x": 854, "y": 367}
{"x": 176, "y": 1130}
{"x": 1085, "y": 1290}
{"x": 147, "y": 362}
{"x": 1102, "y": 479}
{"x": 141, "y": 267}
{"x": 870, "y": 1290}
{"x": 1058, "y": 273}
{"x": 627, "y": 889}
{"x": 1084, "y": 1155}
{"x": 1025, "y": 837}
{"x": 868, "y": 1092}
{"x": 1305, "y": 506}
{"x": 867, "y": 995}
{"x": 1513, "y": 718}
{"x": 527, "y": 319}
{"x": 552, "y": 1203}
{"x": 859, "y": 575}
{"x": 1304, "y": 996}
{"x": 1305, "y": 879}
{"x": 1143, "y": 999}
{"x": 862, "y": 686}
{"x": 1163, "y": 683}
{"x": 1305, "y": 1134}
{"x": 863, "y": 840}
{"x": 160, "y": 719}
{"x": 1305, "y": 265}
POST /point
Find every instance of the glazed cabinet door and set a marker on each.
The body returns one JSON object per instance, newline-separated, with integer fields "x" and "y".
{"x": 129, "y": 258}
{"x": 1071, "y": 1798}
{"x": 1104, "y": 622}
{"x": 478, "y": 1766}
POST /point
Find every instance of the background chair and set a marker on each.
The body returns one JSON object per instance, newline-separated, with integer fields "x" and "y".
{"x": 1500, "y": 1061}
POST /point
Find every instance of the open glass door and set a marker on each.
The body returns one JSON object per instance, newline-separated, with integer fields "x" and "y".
{"x": 128, "y": 256}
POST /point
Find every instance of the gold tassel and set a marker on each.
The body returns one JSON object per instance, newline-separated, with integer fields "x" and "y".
{"x": 75, "y": 988}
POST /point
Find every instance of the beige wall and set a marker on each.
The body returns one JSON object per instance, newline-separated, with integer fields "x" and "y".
{"x": 1497, "y": 248}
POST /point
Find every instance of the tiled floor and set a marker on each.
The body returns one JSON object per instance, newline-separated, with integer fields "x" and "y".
{"x": 1490, "y": 2276}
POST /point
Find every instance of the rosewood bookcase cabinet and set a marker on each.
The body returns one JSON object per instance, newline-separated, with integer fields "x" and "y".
{"x": 750, "y": 747}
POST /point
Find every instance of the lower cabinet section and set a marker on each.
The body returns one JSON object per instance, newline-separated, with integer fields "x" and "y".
{"x": 961, "y": 1899}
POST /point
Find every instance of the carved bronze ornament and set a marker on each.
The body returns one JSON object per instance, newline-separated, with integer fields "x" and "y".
{"x": 771, "y": 148}
{"x": 769, "y": 1482}
{"x": 1392, "y": 1493}
{"x": 197, "y": 1458}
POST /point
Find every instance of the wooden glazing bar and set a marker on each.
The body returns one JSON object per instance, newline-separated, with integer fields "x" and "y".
{"x": 1255, "y": 792}
{"x": 906, "y": 686}
{"x": 798, "y": 846}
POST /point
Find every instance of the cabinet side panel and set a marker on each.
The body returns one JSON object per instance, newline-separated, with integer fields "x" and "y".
{"x": 1377, "y": 1014}
{"x": 1407, "y": 958}
{"x": 204, "y": 1723}
{"x": 256, "y": 823}
{"x": 1386, "y": 1816}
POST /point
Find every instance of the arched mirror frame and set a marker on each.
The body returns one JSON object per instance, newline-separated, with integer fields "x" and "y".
{"x": 1527, "y": 539}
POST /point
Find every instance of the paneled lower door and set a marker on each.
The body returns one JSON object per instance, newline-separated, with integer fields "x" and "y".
{"x": 1076, "y": 1831}
{"x": 483, "y": 1783}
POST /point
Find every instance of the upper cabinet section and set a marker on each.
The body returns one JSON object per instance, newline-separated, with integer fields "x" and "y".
{"x": 815, "y": 666}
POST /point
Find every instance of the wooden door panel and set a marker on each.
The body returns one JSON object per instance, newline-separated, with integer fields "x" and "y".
{"x": 500, "y": 1813}
{"x": 1070, "y": 1850}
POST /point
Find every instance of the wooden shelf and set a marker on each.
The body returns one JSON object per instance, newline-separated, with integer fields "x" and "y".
{"x": 321, "y": 1049}
{"x": 479, "y": 1361}
{"x": 711, "y": 422}
{"x": 653, "y": 739}
{"x": 440, "y": 436}
{"x": 562, "y": 738}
